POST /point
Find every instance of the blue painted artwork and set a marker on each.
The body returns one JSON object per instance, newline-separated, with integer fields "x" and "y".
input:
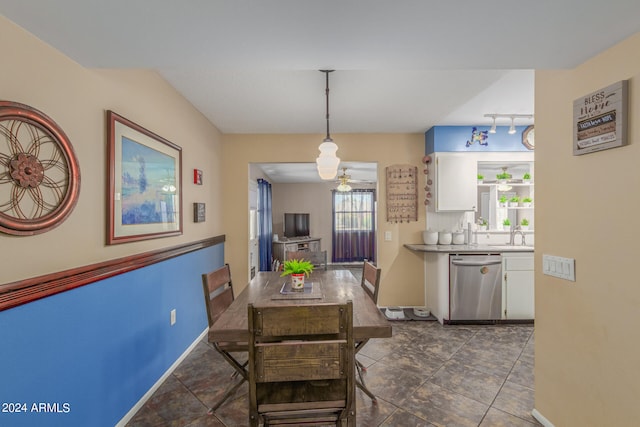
{"x": 478, "y": 136}
{"x": 148, "y": 185}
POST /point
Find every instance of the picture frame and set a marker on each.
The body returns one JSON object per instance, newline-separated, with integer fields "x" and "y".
{"x": 600, "y": 119}
{"x": 144, "y": 194}
{"x": 198, "y": 212}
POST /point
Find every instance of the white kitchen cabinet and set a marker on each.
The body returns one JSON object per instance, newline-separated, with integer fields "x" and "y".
{"x": 455, "y": 179}
{"x": 518, "y": 286}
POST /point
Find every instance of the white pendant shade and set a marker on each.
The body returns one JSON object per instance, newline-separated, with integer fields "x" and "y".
{"x": 327, "y": 161}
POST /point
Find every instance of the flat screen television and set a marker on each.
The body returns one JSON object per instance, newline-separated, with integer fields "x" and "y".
{"x": 296, "y": 225}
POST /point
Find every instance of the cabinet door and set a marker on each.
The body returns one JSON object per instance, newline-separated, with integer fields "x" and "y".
{"x": 456, "y": 182}
{"x": 520, "y": 294}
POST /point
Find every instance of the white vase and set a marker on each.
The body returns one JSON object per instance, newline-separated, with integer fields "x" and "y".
{"x": 526, "y": 204}
{"x": 524, "y": 227}
{"x": 297, "y": 281}
{"x": 513, "y": 204}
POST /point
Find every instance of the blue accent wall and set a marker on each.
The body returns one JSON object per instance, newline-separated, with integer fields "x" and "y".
{"x": 454, "y": 138}
{"x": 99, "y": 348}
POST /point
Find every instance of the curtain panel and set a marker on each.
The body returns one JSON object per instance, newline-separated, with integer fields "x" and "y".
{"x": 265, "y": 224}
{"x": 354, "y": 236}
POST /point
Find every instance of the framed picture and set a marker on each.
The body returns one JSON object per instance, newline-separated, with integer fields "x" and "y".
{"x": 600, "y": 119}
{"x": 198, "y": 212}
{"x": 197, "y": 176}
{"x": 145, "y": 183}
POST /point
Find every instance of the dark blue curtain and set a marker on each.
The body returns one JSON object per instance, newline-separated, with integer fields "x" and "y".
{"x": 354, "y": 235}
{"x": 265, "y": 224}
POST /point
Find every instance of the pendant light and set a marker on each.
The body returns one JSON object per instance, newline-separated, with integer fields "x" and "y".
{"x": 327, "y": 162}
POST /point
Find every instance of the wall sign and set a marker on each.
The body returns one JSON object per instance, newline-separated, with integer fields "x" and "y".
{"x": 600, "y": 119}
{"x": 402, "y": 193}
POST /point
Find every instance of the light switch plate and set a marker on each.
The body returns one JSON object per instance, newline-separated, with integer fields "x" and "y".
{"x": 563, "y": 268}
{"x": 387, "y": 236}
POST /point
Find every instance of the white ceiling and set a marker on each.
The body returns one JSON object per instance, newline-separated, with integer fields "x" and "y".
{"x": 401, "y": 66}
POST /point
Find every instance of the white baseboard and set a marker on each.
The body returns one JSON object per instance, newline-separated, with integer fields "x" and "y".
{"x": 541, "y": 419}
{"x": 158, "y": 383}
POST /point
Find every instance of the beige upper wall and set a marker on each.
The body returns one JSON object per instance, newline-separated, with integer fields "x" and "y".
{"x": 76, "y": 98}
{"x": 587, "y": 336}
{"x": 402, "y": 270}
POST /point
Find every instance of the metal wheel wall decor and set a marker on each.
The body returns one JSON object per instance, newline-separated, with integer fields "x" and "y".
{"x": 39, "y": 172}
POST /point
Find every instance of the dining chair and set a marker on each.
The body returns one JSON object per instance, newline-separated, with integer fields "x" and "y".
{"x": 218, "y": 295}
{"x": 317, "y": 258}
{"x": 370, "y": 284}
{"x": 301, "y": 365}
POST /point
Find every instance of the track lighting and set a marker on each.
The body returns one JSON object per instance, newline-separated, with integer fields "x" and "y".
{"x": 513, "y": 117}
{"x": 493, "y": 126}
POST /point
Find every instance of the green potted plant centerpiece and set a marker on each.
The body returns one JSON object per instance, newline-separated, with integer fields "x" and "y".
{"x": 297, "y": 268}
{"x": 524, "y": 224}
{"x": 513, "y": 202}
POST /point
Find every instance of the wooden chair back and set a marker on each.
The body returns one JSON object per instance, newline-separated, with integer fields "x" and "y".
{"x": 301, "y": 361}
{"x": 218, "y": 292}
{"x": 371, "y": 280}
{"x": 317, "y": 258}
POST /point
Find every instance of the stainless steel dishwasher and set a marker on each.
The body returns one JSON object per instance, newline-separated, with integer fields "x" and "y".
{"x": 475, "y": 287}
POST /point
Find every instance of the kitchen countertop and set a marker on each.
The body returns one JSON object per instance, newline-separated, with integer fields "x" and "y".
{"x": 468, "y": 248}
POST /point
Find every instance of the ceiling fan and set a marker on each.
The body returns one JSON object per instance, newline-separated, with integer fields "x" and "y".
{"x": 344, "y": 181}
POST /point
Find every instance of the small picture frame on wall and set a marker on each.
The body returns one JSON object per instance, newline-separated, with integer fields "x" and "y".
{"x": 600, "y": 119}
{"x": 197, "y": 176}
{"x": 198, "y": 212}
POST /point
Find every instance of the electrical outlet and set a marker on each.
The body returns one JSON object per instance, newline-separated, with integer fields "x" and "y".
{"x": 173, "y": 317}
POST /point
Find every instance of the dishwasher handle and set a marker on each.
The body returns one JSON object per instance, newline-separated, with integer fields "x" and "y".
{"x": 475, "y": 263}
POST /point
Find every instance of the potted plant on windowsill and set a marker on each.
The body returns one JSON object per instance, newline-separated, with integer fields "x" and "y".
{"x": 480, "y": 178}
{"x": 503, "y": 201}
{"x": 503, "y": 177}
{"x": 526, "y": 202}
{"x": 506, "y": 224}
{"x": 513, "y": 202}
{"x": 297, "y": 268}
{"x": 526, "y": 178}
{"x": 524, "y": 224}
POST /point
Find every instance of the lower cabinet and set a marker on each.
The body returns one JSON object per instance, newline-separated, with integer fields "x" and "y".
{"x": 293, "y": 245}
{"x": 518, "y": 294}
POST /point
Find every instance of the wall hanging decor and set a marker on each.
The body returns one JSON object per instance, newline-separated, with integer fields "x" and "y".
{"x": 600, "y": 119}
{"x": 198, "y": 212}
{"x": 145, "y": 183}
{"x": 402, "y": 193}
{"x": 39, "y": 171}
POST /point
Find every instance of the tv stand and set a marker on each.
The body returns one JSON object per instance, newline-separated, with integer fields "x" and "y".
{"x": 311, "y": 244}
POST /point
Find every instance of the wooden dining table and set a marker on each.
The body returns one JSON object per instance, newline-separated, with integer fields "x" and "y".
{"x": 331, "y": 286}
{"x": 327, "y": 286}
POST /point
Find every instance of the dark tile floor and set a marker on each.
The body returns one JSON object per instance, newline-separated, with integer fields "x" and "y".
{"x": 426, "y": 375}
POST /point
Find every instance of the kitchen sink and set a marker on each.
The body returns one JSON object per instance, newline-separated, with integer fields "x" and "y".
{"x": 513, "y": 247}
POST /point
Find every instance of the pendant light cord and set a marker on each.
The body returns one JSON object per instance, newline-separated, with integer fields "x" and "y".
{"x": 326, "y": 72}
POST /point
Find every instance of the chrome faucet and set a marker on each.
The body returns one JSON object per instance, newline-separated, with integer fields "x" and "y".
{"x": 512, "y": 235}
